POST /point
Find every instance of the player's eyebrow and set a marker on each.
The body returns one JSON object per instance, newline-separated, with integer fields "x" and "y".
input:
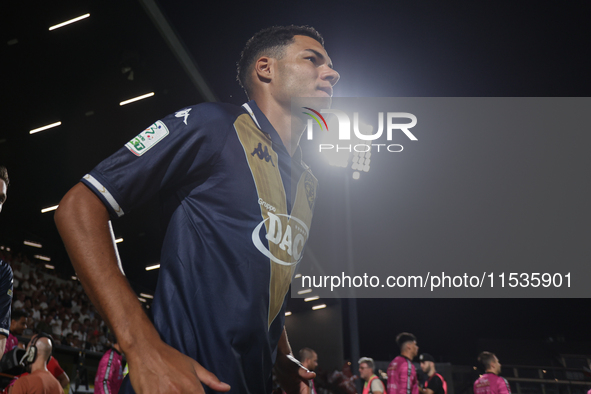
{"x": 320, "y": 55}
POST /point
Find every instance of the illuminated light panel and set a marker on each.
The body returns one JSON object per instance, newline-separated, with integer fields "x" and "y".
{"x": 141, "y": 299}
{"x": 118, "y": 240}
{"x": 8, "y": 249}
{"x": 146, "y": 295}
{"x": 287, "y": 313}
{"x": 298, "y": 276}
{"x": 305, "y": 291}
{"x": 49, "y": 126}
{"x": 33, "y": 244}
{"x": 40, "y": 257}
{"x": 316, "y": 307}
{"x": 152, "y": 267}
{"x": 68, "y": 22}
{"x": 48, "y": 209}
{"x": 49, "y": 266}
{"x": 314, "y": 298}
{"x": 74, "y": 277}
{"x": 137, "y": 98}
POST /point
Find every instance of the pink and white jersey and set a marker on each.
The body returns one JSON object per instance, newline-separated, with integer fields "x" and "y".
{"x": 109, "y": 375}
{"x": 489, "y": 383}
{"x": 11, "y": 343}
{"x": 402, "y": 377}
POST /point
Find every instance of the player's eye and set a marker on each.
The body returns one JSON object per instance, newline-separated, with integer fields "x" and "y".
{"x": 312, "y": 59}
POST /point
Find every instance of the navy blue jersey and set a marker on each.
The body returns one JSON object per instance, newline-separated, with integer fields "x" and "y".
{"x": 238, "y": 209}
{"x": 5, "y": 297}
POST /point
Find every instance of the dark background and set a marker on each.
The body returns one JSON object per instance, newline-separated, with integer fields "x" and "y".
{"x": 77, "y": 75}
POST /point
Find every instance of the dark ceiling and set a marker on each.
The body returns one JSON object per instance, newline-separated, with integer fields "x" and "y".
{"x": 78, "y": 74}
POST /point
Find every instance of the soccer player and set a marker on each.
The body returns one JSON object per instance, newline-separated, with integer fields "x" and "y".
{"x": 436, "y": 383}
{"x": 402, "y": 375}
{"x": 5, "y": 275}
{"x": 224, "y": 176}
{"x": 491, "y": 382}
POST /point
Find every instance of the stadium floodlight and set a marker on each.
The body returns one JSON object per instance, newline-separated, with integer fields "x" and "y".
{"x": 33, "y": 244}
{"x": 152, "y": 267}
{"x": 313, "y": 298}
{"x": 49, "y": 209}
{"x": 316, "y": 307}
{"x": 287, "y": 313}
{"x": 146, "y": 295}
{"x": 306, "y": 291}
{"x": 49, "y": 126}
{"x": 118, "y": 240}
{"x": 69, "y": 22}
{"x": 143, "y": 96}
{"x": 40, "y": 257}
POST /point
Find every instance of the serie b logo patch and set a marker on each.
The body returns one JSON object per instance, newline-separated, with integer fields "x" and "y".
{"x": 147, "y": 138}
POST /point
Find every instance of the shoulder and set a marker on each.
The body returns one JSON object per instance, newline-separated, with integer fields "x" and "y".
{"x": 205, "y": 113}
{"x": 5, "y": 270}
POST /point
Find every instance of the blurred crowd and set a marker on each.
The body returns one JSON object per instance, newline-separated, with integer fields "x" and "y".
{"x": 55, "y": 306}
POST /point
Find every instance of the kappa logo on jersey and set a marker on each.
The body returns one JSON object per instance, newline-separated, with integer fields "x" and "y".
{"x": 263, "y": 154}
{"x": 9, "y": 292}
{"x": 183, "y": 114}
{"x": 289, "y": 232}
{"x": 147, "y": 138}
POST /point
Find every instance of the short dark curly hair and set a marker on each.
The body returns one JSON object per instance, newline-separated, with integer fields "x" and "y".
{"x": 269, "y": 42}
{"x": 4, "y": 175}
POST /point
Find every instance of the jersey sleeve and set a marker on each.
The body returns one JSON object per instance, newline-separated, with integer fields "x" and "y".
{"x": 503, "y": 386}
{"x": 377, "y": 386}
{"x": 5, "y": 297}
{"x": 180, "y": 146}
{"x": 54, "y": 367}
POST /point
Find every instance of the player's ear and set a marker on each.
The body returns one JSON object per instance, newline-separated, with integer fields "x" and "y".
{"x": 264, "y": 69}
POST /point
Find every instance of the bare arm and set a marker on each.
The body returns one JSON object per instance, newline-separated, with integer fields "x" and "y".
{"x": 291, "y": 375}
{"x": 2, "y": 344}
{"x": 64, "y": 379}
{"x": 83, "y": 223}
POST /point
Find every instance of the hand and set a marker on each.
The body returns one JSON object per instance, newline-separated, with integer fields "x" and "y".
{"x": 162, "y": 369}
{"x": 291, "y": 374}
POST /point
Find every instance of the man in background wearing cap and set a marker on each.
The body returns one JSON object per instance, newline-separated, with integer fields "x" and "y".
{"x": 491, "y": 382}
{"x": 436, "y": 384}
{"x": 373, "y": 384}
{"x": 402, "y": 375}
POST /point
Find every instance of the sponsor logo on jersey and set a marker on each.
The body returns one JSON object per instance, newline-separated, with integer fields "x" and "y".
{"x": 183, "y": 114}
{"x": 147, "y": 138}
{"x": 267, "y": 205}
{"x": 263, "y": 154}
{"x": 288, "y": 232}
{"x": 9, "y": 292}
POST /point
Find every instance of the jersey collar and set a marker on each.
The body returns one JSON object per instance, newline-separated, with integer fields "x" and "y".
{"x": 266, "y": 127}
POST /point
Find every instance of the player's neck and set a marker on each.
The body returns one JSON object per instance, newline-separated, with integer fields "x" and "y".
{"x": 39, "y": 365}
{"x": 280, "y": 118}
{"x": 432, "y": 372}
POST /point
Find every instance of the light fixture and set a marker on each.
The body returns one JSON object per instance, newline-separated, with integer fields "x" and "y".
{"x": 152, "y": 267}
{"x": 33, "y": 244}
{"x": 68, "y": 22}
{"x": 288, "y": 313}
{"x": 306, "y": 291}
{"x": 137, "y": 98}
{"x": 49, "y": 266}
{"x": 316, "y": 307}
{"x": 146, "y": 295}
{"x": 118, "y": 240}
{"x": 314, "y": 298}
{"x": 48, "y": 209}
{"x": 49, "y": 126}
{"x": 40, "y": 257}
